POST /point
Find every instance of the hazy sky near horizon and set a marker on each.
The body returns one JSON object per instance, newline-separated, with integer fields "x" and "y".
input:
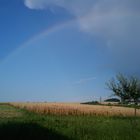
{"x": 65, "y": 50}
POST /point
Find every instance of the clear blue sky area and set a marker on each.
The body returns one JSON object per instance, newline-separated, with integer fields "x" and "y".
{"x": 66, "y": 50}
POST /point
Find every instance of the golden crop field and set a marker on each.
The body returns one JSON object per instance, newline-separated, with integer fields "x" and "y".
{"x": 76, "y": 109}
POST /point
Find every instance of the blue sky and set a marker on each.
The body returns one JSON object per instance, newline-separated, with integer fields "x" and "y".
{"x": 60, "y": 50}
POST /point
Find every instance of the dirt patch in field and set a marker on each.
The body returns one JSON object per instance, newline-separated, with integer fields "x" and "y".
{"x": 9, "y": 112}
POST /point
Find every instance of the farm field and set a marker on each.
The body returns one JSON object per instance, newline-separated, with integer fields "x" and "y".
{"x": 76, "y": 109}
{"x": 22, "y": 124}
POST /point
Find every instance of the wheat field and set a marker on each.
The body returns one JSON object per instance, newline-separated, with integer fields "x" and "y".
{"x": 76, "y": 109}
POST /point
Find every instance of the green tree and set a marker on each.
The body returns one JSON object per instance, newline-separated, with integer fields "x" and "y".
{"x": 134, "y": 89}
{"x": 120, "y": 87}
{"x": 126, "y": 88}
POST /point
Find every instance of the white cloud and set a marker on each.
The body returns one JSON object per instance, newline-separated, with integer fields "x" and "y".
{"x": 104, "y": 18}
{"x": 115, "y": 21}
{"x": 82, "y": 81}
{"x": 35, "y": 4}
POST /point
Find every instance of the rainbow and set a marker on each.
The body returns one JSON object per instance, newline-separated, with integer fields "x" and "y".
{"x": 37, "y": 37}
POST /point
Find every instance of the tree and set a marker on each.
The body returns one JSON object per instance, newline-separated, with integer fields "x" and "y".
{"x": 120, "y": 87}
{"x": 126, "y": 88}
{"x": 134, "y": 89}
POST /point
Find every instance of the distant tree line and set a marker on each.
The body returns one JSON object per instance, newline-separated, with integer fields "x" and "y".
{"x": 112, "y": 100}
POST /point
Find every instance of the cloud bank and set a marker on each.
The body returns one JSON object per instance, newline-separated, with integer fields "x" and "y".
{"x": 92, "y": 10}
{"x": 108, "y": 19}
{"x": 114, "y": 21}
